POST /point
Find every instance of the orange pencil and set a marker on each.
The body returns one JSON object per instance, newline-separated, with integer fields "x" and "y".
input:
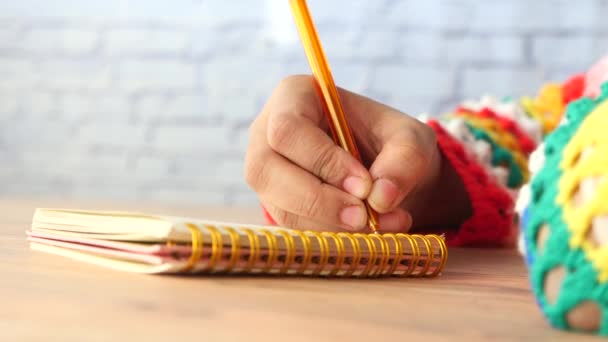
{"x": 327, "y": 89}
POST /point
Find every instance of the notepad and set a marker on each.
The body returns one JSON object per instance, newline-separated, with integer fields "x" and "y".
{"x": 158, "y": 244}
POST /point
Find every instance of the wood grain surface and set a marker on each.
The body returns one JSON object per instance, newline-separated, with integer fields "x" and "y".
{"x": 482, "y": 295}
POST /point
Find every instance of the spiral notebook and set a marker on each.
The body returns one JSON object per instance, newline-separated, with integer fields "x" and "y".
{"x": 143, "y": 243}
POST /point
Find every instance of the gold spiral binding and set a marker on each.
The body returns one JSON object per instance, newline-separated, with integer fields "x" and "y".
{"x": 273, "y": 250}
{"x": 398, "y": 253}
{"x": 356, "y": 253}
{"x": 216, "y": 247}
{"x": 324, "y": 253}
{"x": 307, "y": 252}
{"x": 334, "y": 259}
{"x": 235, "y": 251}
{"x": 197, "y": 247}
{"x": 371, "y": 248}
{"x": 384, "y": 254}
{"x": 429, "y": 254}
{"x": 339, "y": 251}
{"x": 254, "y": 249}
{"x": 443, "y": 256}
{"x": 415, "y": 253}
{"x": 291, "y": 251}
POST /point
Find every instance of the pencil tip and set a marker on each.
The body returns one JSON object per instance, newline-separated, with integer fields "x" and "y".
{"x": 374, "y": 228}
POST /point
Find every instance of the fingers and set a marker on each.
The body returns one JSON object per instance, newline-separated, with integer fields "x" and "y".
{"x": 293, "y": 190}
{"x": 398, "y": 221}
{"x": 301, "y": 141}
{"x": 402, "y": 165}
{"x": 291, "y": 220}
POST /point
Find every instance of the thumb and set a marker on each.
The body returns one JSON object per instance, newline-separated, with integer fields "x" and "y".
{"x": 402, "y": 165}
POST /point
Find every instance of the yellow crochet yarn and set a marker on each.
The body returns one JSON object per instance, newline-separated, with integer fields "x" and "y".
{"x": 547, "y": 108}
{"x": 586, "y": 157}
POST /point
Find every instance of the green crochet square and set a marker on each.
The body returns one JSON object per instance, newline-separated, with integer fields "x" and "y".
{"x": 580, "y": 282}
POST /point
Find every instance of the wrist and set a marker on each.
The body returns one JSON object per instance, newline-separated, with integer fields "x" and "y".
{"x": 445, "y": 204}
{"x": 489, "y": 222}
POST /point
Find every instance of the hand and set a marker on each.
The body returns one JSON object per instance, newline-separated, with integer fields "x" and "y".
{"x": 306, "y": 181}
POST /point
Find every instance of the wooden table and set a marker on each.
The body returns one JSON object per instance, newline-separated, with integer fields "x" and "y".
{"x": 483, "y": 295}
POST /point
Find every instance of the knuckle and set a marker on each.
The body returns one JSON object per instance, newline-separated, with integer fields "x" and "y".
{"x": 253, "y": 127}
{"x": 250, "y": 171}
{"x": 412, "y": 152}
{"x": 422, "y": 134}
{"x": 312, "y": 204}
{"x": 428, "y": 139}
{"x": 255, "y": 172}
{"x": 326, "y": 165}
{"x": 280, "y": 129}
{"x": 418, "y": 144}
{"x": 255, "y": 130}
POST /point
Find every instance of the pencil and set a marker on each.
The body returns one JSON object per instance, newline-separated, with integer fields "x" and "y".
{"x": 327, "y": 90}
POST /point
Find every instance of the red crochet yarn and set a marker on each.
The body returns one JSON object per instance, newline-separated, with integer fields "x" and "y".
{"x": 573, "y": 88}
{"x": 490, "y": 223}
{"x": 525, "y": 142}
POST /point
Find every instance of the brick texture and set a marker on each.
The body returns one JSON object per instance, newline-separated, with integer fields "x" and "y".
{"x": 151, "y": 99}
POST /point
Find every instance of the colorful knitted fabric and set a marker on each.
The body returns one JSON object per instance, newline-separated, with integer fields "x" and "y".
{"x": 501, "y": 123}
{"x": 510, "y": 109}
{"x": 574, "y": 155}
{"x": 483, "y": 149}
{"x": 503, "y": 157}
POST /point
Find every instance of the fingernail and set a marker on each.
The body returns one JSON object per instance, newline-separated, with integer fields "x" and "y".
{"x": 383, "y": 194}
{"x": 356, "y": 186}
{"x": 397, "y": 221}
{"x": 353, "y": 216}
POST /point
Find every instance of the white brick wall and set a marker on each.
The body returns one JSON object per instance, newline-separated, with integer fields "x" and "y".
{"x": 74, "y": 75}
{"x": 95, "y": 108}
{"x": 136, "y": 42}
{"x": 154, "y": 75}
{"x": 484, "y": 49}
{"x": 518, "y": 82}
{"x": 17, "y": 74}
{"x": 64, "y": 42}
{"x": 151, "y": 99}
{"x": 569, "y": 50}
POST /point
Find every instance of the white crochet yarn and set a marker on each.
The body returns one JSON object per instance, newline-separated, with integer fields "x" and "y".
{"x": 537, "y": 159}
{"x": 535, "y": 164}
